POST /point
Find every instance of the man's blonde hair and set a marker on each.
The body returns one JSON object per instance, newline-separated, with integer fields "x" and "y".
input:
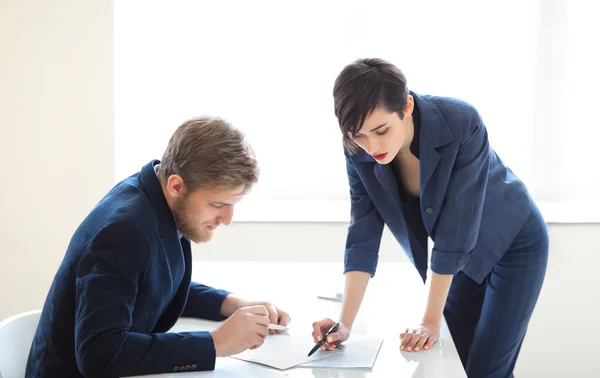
{"x": 209, "y": 153}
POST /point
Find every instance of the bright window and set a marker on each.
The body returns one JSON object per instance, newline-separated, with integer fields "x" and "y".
{"x": 269, "y": 66}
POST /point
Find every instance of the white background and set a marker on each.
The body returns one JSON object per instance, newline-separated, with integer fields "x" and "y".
{"x": 58, "y": 83}
{"x": 269, "y": 67}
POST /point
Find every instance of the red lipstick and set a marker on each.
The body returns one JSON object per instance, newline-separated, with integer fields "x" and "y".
{"x": 380, "y": 156}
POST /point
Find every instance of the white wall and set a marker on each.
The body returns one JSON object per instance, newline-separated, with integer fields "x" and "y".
{"x": 56, "y": 117}
{"x": 56, "y": 85}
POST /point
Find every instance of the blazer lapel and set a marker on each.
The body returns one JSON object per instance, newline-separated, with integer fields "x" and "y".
{"x": 387, "y": 179}
{"x": 428, "y": 163}
{"x": 177, "y": 305}
{"x": 434, "y": 134}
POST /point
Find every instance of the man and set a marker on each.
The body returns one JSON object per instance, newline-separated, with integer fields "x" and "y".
{"x": 125, "y": 278}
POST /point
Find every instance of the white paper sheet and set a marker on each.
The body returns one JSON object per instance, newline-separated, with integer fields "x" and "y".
{"x": 358, "y": 352}
{"x": 284, "y": 351}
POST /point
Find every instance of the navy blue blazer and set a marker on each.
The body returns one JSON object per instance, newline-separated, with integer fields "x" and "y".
{"x": 471, "y": 204}
{"x": 123, "y": 283}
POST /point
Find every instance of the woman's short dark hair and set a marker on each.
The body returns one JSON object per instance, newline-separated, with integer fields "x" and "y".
{"x": 362, "y": 86}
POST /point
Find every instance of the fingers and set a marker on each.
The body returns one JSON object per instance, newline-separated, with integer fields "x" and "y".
{"x": 331, "y": 342}
{"x": 406, "y": 339}
{"x": 421, "y": 343}
{"x": 336, "y": 336}
{"x": 262, "y": 331}
{"x": 429, "y": 343}
{"x": 259, "y": 310}
{"x": 317, "y": 328}
{"x": 260, "y": 341}
{"x": 320, "y": 328}
{"x": 284, "y": 319}
{"x": 409, "y": 340}
{"x": 403, "y": 334}
{"x": 261, "y": 320}
{"x": 329, "y": 346}
{"x": 317, "y": 331}
{"x": 273, "y": 316}
{"x": 413, "y": 342}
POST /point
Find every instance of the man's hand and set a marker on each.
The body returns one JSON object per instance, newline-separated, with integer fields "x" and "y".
{"x": 276, "y": 315}
{"x": 246, "y": 328}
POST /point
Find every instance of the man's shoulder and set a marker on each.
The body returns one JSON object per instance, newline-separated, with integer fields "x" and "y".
{"x": 126, "y": 208}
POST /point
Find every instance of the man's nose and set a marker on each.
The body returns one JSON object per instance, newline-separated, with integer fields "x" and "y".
{"x": 226, "y": 216}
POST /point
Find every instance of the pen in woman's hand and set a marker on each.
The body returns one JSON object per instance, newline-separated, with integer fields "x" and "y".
{"x": 320, "y": 343}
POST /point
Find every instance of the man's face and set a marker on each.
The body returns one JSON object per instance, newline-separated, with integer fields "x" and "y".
{"x": 198, "y": 214}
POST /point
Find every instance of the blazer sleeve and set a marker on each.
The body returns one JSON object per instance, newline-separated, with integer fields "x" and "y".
{"x": 204, "y": 302}
{"x": 365, "y": 228}
{"x": 460, "y": 216}
{"x": 107, "y": 282}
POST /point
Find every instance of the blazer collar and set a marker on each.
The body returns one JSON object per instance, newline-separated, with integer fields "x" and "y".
{"x": 153, "y": 189}
{"x": 434, "y": 132}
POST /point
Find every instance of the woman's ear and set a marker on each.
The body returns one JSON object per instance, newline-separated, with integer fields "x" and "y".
{"x": 410, "y": 105}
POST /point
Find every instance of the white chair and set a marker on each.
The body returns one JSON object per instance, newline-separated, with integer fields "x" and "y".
{"x": 16, "y": 336}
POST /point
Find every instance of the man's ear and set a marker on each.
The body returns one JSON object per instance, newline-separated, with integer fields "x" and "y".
{"x": 176, "y": 187}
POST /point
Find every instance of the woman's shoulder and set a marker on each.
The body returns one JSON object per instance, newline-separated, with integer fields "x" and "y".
{"x": 454, "y": 108}
{"x": 460, "y": 116}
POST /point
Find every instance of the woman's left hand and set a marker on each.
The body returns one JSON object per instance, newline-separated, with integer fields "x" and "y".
{"x": 419, "y": 338}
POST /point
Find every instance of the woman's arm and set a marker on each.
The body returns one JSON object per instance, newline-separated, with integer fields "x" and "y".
{"x": 438, "y": 293}
{"x": 360, "y": 257}
{"x": 355, "y": 288}
{"x": 428, "y": 331}
{"x": 356, "y": 285}
{"x": 457, "y": 228}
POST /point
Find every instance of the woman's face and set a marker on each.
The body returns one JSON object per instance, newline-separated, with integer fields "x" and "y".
{"x": 384, "y": 134}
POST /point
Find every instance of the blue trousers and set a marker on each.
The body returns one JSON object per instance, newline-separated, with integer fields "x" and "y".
{"x": 488, "y": 322}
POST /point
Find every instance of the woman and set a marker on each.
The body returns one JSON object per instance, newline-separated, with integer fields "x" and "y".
{"x": 423, "y": 166}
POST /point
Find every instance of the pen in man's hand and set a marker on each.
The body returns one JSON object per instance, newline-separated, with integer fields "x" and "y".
{"x": 318, "y": 345}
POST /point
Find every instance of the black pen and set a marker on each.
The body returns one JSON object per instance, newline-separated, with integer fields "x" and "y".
{"x": 318, "y": 345}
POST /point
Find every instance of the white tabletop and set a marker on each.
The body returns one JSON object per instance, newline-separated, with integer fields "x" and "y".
{"x": 395, "y": 300}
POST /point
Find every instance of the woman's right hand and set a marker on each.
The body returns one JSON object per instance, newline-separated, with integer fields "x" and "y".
{"x": 336, "y": 338}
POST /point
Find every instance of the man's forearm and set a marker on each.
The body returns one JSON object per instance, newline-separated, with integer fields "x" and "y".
{"x": 204, "y": 302}
{"x": 231, "y": 304}
{"x": 438, "y": 293}
{"x": 142, "y": 354}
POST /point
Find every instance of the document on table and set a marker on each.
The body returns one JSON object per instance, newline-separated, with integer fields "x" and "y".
{"x": 358, "y": 352}
{"x": 284, "y": 351}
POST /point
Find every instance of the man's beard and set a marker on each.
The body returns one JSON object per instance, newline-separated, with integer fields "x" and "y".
{"x": 187, "y": 225}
